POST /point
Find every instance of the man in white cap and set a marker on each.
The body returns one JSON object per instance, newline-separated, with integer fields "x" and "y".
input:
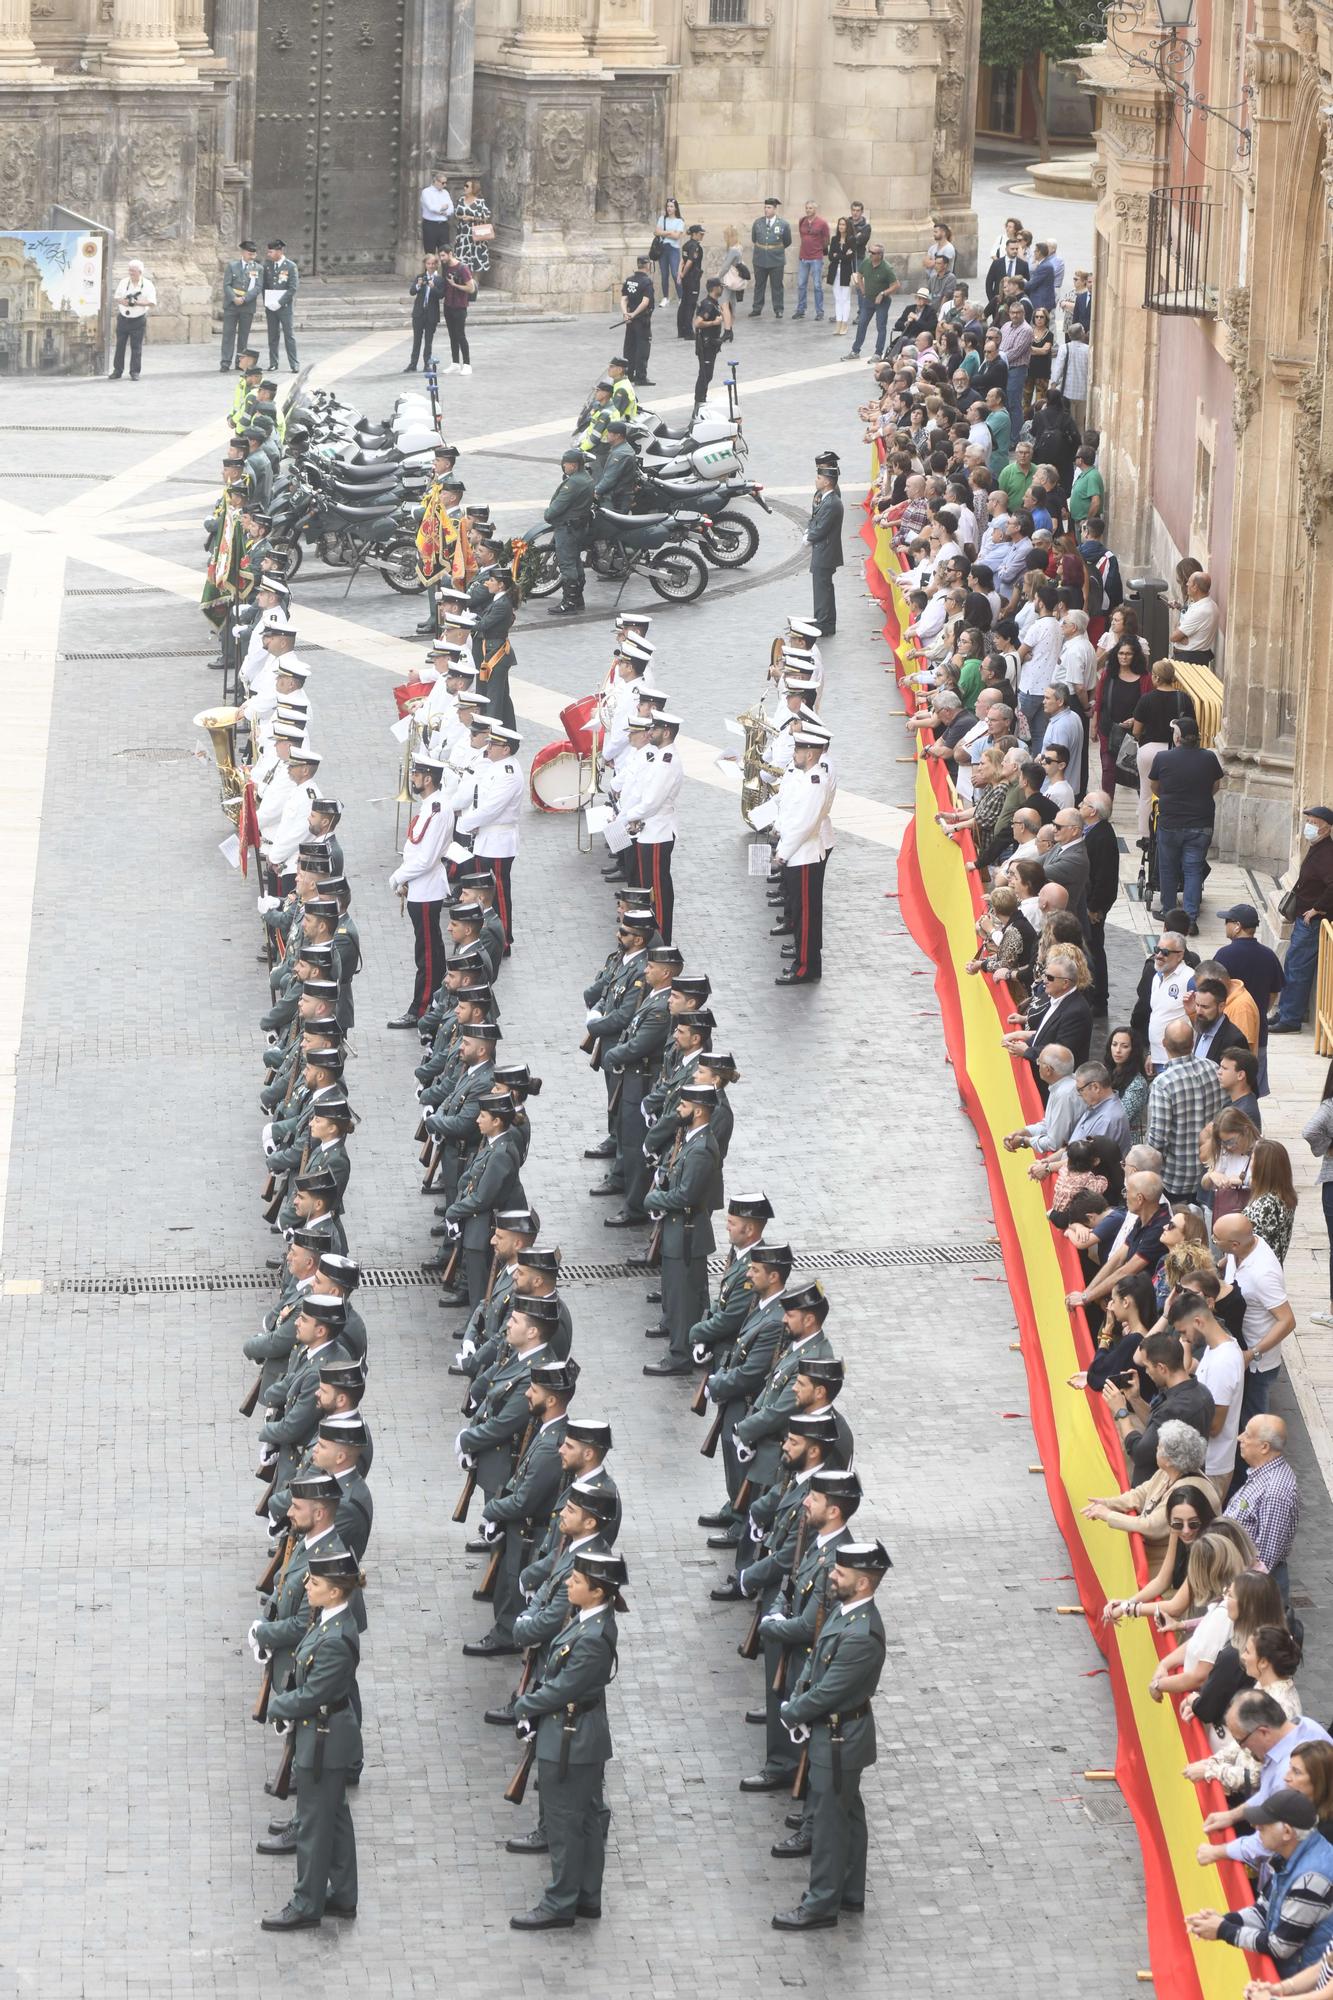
{"x": 803, "y": 841}
{"x": 136, "y": 295}
{"x": 492, "y": 817}
{"x": 654, "y": 823}
{"x": 293, "y": 827}
{"x": 420, "y": 881}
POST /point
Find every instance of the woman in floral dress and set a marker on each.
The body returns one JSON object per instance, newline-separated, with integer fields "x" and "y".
{"x": 468, "y": 212}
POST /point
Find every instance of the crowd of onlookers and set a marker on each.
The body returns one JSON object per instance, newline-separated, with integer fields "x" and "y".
{"x": 1150, "y": 1139}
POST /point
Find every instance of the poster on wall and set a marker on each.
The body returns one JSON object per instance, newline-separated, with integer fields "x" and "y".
{"x": 51, "y": 283}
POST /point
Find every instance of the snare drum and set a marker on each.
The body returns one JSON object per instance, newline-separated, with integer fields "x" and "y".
{"x": 560, "y": 781}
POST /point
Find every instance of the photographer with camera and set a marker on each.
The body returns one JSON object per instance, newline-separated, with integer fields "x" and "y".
{"x": 135, "y": 295}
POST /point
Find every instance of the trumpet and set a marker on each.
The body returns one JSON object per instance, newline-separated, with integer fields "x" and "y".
{"x": 221, "y": 726}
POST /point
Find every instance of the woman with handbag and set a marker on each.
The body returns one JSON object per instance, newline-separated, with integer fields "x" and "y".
{"x": 842, "y": 261}
{"x": 474, "y": 232}
{"x": 735, "y": 275}
{"x": 1124, "y": 682}
{"x": 666, "y": 246}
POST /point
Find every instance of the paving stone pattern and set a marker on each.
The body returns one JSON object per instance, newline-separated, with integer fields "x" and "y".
{"x": 132, "y": 1794}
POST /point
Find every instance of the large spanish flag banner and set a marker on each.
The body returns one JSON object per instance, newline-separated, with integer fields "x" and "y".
{"x": 1080, "y": 1454}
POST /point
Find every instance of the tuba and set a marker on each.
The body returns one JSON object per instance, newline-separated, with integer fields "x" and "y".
{"x": 759, "y": 778}
{"x": 221, "y": 726}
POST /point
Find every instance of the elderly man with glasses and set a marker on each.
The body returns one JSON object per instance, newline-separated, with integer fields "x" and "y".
{"x": 1161, "y": 997}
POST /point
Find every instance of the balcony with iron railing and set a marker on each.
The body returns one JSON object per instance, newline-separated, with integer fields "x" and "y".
{"x": 1180, "y": 276}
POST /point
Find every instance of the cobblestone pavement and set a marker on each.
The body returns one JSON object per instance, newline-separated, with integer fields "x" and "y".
{"x": 132, "y": 1795}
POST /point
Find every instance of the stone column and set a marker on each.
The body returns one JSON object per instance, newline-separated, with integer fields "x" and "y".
{"x": 18, "y": 51}
{"x": 462, "y": 65}
{"x": 143, "y": 41}
{"x": 955, "y": 130}
{"x": 1261, "y": 661}
{"x": 623, "y": 33}
{"x": 191, "y": 33}
{"x": 552, "y": 35}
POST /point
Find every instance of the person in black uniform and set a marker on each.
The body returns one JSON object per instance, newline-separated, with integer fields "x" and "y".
{"x": 492, "y": 648}
{"x": 709, "y": 325}
{"x": 636, "y": 305}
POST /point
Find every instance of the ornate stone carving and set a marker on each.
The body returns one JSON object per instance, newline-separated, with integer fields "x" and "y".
{"x": 1131, "y": 212}
{"x": 622, "y": 168}
{"x": 365, "y": 36}
{"x": 907, "y": 37}
{"x": 18, "y": 174}
{"x": 1304, "y": 28}
{"x": 508, "y": 146}
{"x": 155, "y": 201}
{"x": 81, "y": 169}
{"x": 283, "y": 39}
{"x": 1314, "y": 455}
{"x": 950, "y": 173}
{"x": 1134, "y": 135}
{"x": 1236, "y": 319}
{"x": 727, "y": 41}
{"x": 562, "y": 148}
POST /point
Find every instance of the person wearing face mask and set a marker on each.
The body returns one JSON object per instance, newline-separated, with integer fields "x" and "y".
{"x": 1307, "y": 902}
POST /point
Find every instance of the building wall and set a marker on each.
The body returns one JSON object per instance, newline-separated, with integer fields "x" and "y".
{"x": 1194, "y": 460}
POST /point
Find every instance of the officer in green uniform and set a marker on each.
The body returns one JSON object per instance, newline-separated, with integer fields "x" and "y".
{"x": 608, "y": 1020}
{"x": 619, "y": 478}
{"x": 514, "y": 1515}
{"x": 832, "y": 1497}
{"x": 342, "y": 1449}
{"x": 338, "y": 1277}
{"x": 476, "y": 884}
{"x": 748, "y": 1215}
{"x": 759, "y": 1433}
{"x": 682, "y": 1195}
{"x": 733, "y": 1385}
{"x": 830, "y": 1708}
{"x": 294, "y": 1410}
{"x": 490, "y": 1439}
{"x": 566, "y": 1711}
{"x": 272, "y": 1346}
{"x": 569, "y": 511}
{"x": 623, "y": 399}
{"x": 490, "y": 1181}
{"x": 635, "y": 1059}
{"x": 328, "y": 1744}
{"x": 275, "y": 1637}
{"x": 633, "y": 902}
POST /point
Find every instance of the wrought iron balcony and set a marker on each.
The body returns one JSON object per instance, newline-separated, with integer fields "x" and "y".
{"x": 1179, "y": 274}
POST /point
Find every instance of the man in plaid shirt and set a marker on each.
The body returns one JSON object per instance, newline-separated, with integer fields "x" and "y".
{"x": 1183, "y": 1097}
{"x": 1268, "y": 1505}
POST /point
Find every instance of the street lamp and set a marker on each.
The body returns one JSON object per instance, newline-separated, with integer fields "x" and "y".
{"x": 1174, "y": 14}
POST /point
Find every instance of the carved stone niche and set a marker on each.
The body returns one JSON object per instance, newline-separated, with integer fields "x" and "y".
{"x": 629, "y": 164}
{"x": 726, "y": 41}
{"x": 1236, "y": 320}
{"x": 158, "y": 151}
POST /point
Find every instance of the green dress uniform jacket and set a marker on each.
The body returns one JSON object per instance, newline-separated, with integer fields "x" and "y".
{"x": 491, "y": 1439}
{"x": 722, "y": 1323}
{"x": 832, "y": 1698}
{"x": 289, "y": 1615}
{"x": 569, "y": 512}
{"x": 296, "y": 1420}
{"x": 633, "y": 1059}
{"x": 684, "y": 1201}
{"x": 619, "y": 478}
{"x": 579, "y": 1666}
{"x": 745, "y": 1370}
{"x": 324, "y": 1705}
{"x": 553, "y": 1539}
{"x": 810, "y": 1590}
{"x": 764, "y": 1424}
{"x": 519, "y": 1509}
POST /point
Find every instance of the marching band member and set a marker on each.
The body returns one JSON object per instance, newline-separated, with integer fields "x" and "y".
{"x": 492, "y": 818}
{"x": 421, "y": 883}
{"x": 655, "y": 818}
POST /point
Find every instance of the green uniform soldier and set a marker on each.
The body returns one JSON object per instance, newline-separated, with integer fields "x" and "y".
{"x": 748, "y": 1215}
{"x": 832, "y": 1497}
{"x": 489, "y": 1182}
{"x": 342, "y": 1448}
{"x": 683, "y": 1199}
{"x": 489, "y": 1441}
{"x": 635, "y": 1059}
{"x": 291, "y": 1401}
{"x": 832, "y": 1702}
{"x": 272, "y": 1346}
{"x": 337, "y": 1278}
{"x": 566, "y": 1712}
{"x": 569, "y": 511}
{"x": 477, "y": 885}
{"x": 743, "y": 1371}
{"x": 609, "y": 1019}
{"x": 759, "y": 1433}
{"x": 275, "y": 1637}
{"x": 319, "y": 1707}
{"x": 515, "y": 1515}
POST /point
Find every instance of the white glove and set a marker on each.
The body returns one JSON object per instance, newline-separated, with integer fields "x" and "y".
{"x": 799, "y": 1732}
{"x": 466, "y": 1460}
{"x": 260, "y": 1652}
{"x": 740, "y": 1579}
{"x": 491, "y": 1531}
{"x": 525, "y": 1729}
{"x": 699, "y": 1351}
{"x": 744, "y": 1452}
{"x": 268, "y": 1141}
{"x": 282, "y": 1728}
{"x": 268, "y": 1455}
{"x": 469, "y": 1347}
{"x": 458, "y": 1446}
{"x": 756, "y": 1532}
{"x": 277, "y": 1530}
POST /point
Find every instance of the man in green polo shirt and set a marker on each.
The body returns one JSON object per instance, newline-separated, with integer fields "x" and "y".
{"x": 1016, "y": 477}
{"x": 1087, "y": 497}
{"x": 997, "y": 423}
{"x": 875, "y": 284}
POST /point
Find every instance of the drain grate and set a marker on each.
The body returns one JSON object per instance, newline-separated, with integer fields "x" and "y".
{"x": 158, "y": 756}
{"x": 83, "y": 430}
{"x": 122, "y": 590}
{"x": 398, "y": 1277}
{"x": 150, "y": 653}
{"x": 1108, "y": 1808}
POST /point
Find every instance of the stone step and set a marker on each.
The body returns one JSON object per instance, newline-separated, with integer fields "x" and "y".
{"x": 366, "y": 305}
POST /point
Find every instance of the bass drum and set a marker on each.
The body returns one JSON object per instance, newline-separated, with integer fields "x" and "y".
{"x": 560, "y": 781}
